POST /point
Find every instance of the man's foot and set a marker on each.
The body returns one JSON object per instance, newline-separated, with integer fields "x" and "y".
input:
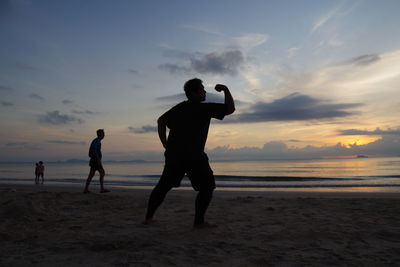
{"x": 105, "y": 191}
{"x": 86, "y": 191}
{"x": 204, "y": 225}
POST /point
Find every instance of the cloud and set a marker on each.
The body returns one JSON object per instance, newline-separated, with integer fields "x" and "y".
{"x": 132, "y": 71}
{"x": 63, "y": 142}
{"x": 175, "y": 53}
{"x": 88, "y": 112}
{"x": 37, "y": 97}
{"x": 341, "y": 10}
{"x": 251, "y": 40}
{"x": 55, "y": 118}
{"x": 246, "y": 41}
{"x": 15, "y": 144}
{"x": 322, "y": 20}
{"x": 174, "y": 68}
{"x": 227, "y": 62}
{"x": 365, "y": 60}
{"x": 377, "y": 131}
{"x": 6, "y": 104}
{"x": 294, "y": 107}
{"x": 203, "y": 29}
{"x": 368, "y": 79}
{"x": 143, "y": 129}
{"x": 67, "y": 101}
{"x": 356, "y": 78}
{"x": 387, "y": 146}
{"x": 22, "y": 145}
{"x": 5, "y": 89}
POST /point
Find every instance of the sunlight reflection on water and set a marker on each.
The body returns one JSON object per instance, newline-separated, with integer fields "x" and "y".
{"x": 369, "y": 174}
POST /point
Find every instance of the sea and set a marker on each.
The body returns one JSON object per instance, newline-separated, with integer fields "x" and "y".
{"x": 350, "y": 174}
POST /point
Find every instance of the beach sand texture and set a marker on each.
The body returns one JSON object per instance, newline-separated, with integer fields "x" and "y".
{"x": 63, "y": 227}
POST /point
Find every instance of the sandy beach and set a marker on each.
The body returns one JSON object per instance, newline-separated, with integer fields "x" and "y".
{"x": 58, "y": 226}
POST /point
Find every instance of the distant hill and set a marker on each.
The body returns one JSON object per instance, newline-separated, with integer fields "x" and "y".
{"x": 76, "y": 161}
{"x": 107, "y": 161}
{"x": 126, "y": 161}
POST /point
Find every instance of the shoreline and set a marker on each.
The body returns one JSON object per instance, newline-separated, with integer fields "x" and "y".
{"x": 265, "y": 192}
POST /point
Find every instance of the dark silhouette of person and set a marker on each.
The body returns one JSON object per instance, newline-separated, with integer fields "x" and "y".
{"x": 40, "y": 171}
{"x": 188, "y": 124}
{"x": 95, "y": 162}
{"x": 37, "y": 173}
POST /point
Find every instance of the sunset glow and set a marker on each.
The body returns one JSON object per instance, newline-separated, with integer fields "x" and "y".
{"x": 311, "y": 79}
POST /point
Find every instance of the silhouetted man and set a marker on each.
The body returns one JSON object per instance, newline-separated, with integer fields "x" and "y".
{"x": 95, "y": 162}
{"x": 188, "y": 123}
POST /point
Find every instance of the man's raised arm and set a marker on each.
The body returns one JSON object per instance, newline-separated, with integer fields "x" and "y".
{"x": 229, "y": 102}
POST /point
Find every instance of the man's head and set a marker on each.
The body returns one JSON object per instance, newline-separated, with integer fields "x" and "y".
{"x": 194, "y": 90}
{"x": 100, "y": 133}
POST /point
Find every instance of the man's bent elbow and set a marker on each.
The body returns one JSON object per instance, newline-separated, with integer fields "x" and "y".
{"x": 229, "y": 111}
{"x": 160, "y": 121}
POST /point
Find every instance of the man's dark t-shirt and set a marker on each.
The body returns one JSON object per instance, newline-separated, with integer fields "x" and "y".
{"x": 188, "y": 123}
{"x": 95, "y": 147}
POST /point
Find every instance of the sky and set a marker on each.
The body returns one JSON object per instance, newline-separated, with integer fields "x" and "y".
{"x": 311, "y": 79}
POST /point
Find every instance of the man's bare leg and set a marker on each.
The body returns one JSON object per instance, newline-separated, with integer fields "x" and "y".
{"x": 203, "y": 199}
{"x": 102, "y": 189}
{"x": 88, "y": 180}
{"x": 157, "y": 196}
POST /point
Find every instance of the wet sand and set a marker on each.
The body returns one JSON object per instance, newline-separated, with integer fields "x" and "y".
{"x": 60, "y": 226}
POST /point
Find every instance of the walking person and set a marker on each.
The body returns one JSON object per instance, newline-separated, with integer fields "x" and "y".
{"x": 95, "y": 162}
{"x": 188, "y": 124}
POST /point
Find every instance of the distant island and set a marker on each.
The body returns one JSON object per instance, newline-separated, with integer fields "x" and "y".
{"x": 107, "y": 161}
{"x": 75, "y": 161}
{"x": 362, "y": 156}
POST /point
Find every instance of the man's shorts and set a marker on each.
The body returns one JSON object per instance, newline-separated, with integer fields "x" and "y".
{"x": 198, "y": 170}
{"x": 95, "y": 165}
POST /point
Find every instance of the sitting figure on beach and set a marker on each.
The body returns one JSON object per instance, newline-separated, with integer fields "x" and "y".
{"x": 188, "y": 123}
{"x": 40, "y": 171}
{"x": 95, "y": 162}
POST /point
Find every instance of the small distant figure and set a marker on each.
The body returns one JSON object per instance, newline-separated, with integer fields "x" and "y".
{"x": 37, "y": 173}
{"x": 95, "y": 162}
{"x": 188, "y": 123}
{"x": 40, "y": 171}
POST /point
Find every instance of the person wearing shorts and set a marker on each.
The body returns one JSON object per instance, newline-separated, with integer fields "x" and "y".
{"x": 188, "y": 124}
{"x": 95, "y": 162}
